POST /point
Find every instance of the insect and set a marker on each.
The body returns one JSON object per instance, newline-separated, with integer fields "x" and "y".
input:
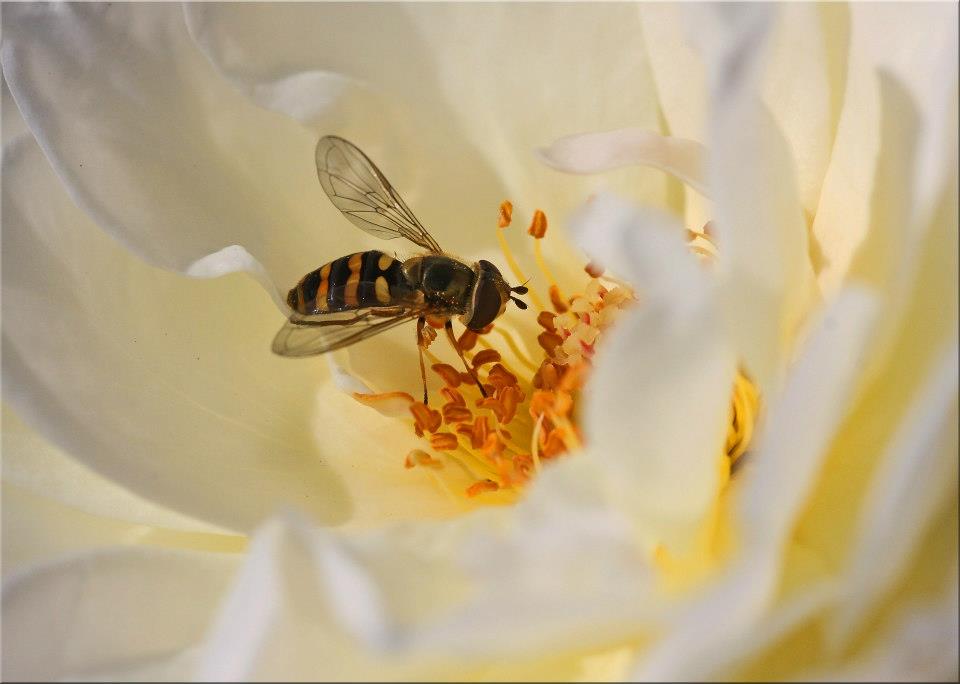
{"x": 363, "y": 294}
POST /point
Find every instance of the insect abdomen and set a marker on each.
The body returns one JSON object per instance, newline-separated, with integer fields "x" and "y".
{"x": 357, "y": 280}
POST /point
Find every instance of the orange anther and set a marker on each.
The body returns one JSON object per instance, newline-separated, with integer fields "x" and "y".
{"x": 493, "y": 446}
{"x": 506, "y": 214}
{"x": 422, "y": 458}
{"x": 485, "y": 356}
{"x": 444, "y": 441}
{"x": 549, "y": 376}
{"x": 559, "y": 305}
{"x": 501, "y": 377}
{"x": 426, "y": 418}
{"x": 456, "y": 414}
{"x": 453, "y": 396}
{"x": 538, "y": 225}
{"x": 555, "y": 444}
{"x": 467, "y": 341}
{"x": 449, "y": 374}
{"x": 549, "y": 341}
{"x": 481, "y": 487}
{"x": 545, "y": 319}
{"x": 573, "y": 377}
{"x": 510, "y": 399}
{"x": 481, "y": 428}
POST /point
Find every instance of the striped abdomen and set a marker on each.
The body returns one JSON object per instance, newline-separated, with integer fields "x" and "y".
{"x": 356, "y": 280}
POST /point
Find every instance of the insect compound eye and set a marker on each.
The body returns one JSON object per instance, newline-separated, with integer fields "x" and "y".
{"x": 487, "y": 303}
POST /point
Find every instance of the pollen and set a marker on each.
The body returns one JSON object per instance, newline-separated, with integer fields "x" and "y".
{"x": 528, "y": 416}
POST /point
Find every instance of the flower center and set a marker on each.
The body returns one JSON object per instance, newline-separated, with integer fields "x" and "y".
{"x": 499, "y": 442}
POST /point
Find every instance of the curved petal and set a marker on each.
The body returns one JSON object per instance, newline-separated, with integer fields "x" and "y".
{"x": 885, "y": 37}
{"x": 38, "y": 529}
{"x": 165, "y": 384}
{"x": 437, "y": 73}
{"x": 111, "y": 611}
{"x": 658, "y": 400}
{"x": 155, "y": 147}
{"x": 428, "y": 601}
{"x": 597, "y": 152}
{"x": 761, "y": 234}
{"x": 34, "y": 465}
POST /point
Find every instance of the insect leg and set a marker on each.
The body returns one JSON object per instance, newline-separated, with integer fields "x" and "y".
{"x": 423, "y": 370}
{"x": 448, "y": 326}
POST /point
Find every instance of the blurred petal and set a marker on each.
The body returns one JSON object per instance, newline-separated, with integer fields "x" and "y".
{"x": 761, "y": 234}
{"x": 166, "y": 384}
{"x": 915, "y": 478}
{"x": 37, "y": 529}
{"x": 155, "y": 148}
{"x": 110, "y": 610}
{"x": 597, "y": 152}
{"x": 429, "y": 601}
{"x": 772, "y": 489}
{"x": 34, "y": 465}
{"x": 661, "y": 443}
{"x": 885, "y": 35}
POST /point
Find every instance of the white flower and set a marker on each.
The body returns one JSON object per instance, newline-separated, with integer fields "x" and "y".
{"x": 143, "y": 490}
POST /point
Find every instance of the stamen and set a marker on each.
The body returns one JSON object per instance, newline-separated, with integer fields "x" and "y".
{"x": 481, "y": 487}
{"x": 506, "y": 214}
{"x": 512, "y": 263}
{"x": 444, "y": 441}
{"x": 485, "y": 356}
{"x": 531, "y": 400}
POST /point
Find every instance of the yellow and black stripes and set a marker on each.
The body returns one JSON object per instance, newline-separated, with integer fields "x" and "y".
{"x": 357, "y": 280}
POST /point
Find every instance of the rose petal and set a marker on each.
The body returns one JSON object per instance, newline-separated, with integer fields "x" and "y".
{"x": 108, "y": 610}
{"x": 34, "y": 465}
{"x": 597, "y": 152}
{"x": 428, "y": 600}
{"x": 435, "y": 77}
{"x": 916, "y": 477}
{"x": 885, "y": 36}
{"x": 38, "y": 529}
{"x": 658, "y": 400}
{"x": 773, "y": 487}
{"x": 156, "y": 148}
{"x": 166, "y": 384}
{"x": 761, "y": 234}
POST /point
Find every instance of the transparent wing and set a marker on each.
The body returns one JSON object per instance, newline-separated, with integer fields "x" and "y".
{"x": 357, "y": 188}
{"x": 322, "y": 333}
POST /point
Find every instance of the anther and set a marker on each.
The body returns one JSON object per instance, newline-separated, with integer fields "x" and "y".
{"x": 449, "y": 374}
{"x": 538, "y": 225}
{"x": 506, "y": 214}
{"x": 456, "y": 414}
{"x": 593, "y": 269}
{"x": 501, "y": 377}
{"x": 453, "y": 396}
{"x": 444, "y": 441}
{"x": 467, "y": 341}
{"x": 556, "y": 299}
{"x": 426, "y": 418}
{"x": 482, "y": 486}
{"x": 545, "y": 319}
{"x": 485, "y": 356}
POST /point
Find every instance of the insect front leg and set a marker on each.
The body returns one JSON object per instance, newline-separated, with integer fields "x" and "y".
{"x": 448, "y": 326}
{"x": 423, "y": 371}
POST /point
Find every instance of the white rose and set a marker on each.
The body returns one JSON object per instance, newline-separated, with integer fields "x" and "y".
{"x": 152, "y": 443}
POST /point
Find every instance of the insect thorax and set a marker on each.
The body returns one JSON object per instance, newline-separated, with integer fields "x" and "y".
{"x": 446, "y": 282}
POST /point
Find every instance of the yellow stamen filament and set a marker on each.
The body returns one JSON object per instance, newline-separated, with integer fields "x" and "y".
{"x": 516, "y": 270}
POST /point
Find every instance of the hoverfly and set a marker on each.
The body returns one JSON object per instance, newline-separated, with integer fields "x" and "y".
{"x": 360, "y": 295}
